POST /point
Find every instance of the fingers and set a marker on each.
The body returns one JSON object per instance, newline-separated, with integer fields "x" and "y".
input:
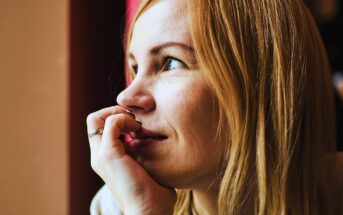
{"x": 134, "y": 188}
{"x": 97, "y": 120}
{"x": 104, "y": 130}
{"x": 116, "y": 125}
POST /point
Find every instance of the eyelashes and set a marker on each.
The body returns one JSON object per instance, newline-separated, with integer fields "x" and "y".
{"x": 172, "y": 63}
{"x": 134, "y": 69}
{"x": 168, "y": 64}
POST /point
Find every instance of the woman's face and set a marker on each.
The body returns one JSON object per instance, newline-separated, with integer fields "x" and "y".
{"x": 170, "y": 97}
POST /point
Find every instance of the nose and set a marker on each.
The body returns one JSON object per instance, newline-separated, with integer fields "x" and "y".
{"x": 137, "y": 97}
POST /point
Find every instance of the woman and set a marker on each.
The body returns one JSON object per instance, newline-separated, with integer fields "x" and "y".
{"x": 231, "y": 105}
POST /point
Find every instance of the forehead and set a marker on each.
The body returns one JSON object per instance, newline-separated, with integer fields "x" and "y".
{"x": 163, "y": 21}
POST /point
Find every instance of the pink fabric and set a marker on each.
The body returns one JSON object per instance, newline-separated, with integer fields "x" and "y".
{"x": 131, "y": 7}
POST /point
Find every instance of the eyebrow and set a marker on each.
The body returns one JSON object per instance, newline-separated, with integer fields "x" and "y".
{"x": 156, "y": 49}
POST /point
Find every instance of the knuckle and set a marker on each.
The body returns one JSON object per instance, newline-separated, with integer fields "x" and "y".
{"x": 91, "y": 117}
{"x": 114, "y": 119}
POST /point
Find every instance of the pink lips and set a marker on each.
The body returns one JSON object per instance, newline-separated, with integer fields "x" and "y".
{"x": 145, "y": 137}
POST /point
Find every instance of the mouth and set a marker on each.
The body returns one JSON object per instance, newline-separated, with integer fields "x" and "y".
{"x": 145, "y": 137}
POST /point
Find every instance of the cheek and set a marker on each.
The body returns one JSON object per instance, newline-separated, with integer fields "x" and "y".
{"x": 189, "y": 109}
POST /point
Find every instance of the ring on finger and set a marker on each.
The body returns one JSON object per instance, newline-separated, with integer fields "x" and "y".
{"x": 96, "y": 131}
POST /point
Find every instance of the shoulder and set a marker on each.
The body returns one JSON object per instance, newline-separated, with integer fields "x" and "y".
{"x": 104, "y": 203}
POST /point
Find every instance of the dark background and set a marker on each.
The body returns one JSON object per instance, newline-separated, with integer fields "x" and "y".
{"x": 97, "y": 75}
{"x": 330, "y": 26}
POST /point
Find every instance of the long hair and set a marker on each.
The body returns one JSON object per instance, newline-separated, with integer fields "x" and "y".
{"x": 266, "y": 65}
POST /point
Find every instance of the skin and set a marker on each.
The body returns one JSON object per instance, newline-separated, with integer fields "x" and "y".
{"x": 170, "y": 96}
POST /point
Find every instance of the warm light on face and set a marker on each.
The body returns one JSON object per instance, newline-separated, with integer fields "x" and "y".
{"x": 170, "y": 96}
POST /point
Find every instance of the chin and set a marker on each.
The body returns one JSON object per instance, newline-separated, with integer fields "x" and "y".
{"x": 167, "y": 176}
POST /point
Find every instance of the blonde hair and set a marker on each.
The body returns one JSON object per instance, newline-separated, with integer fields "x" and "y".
{"x": 265, "y": 62}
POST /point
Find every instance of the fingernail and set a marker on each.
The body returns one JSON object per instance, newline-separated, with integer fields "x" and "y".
{"x": 129, "y": 112}
{"x": 139, "y": 122}
{"x": 132, "y": 135}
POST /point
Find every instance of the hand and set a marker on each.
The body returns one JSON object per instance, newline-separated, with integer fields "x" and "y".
{"x": 135, "y": 190}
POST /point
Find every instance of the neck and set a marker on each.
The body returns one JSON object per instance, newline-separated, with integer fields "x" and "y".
{"x": 205, "y": 202}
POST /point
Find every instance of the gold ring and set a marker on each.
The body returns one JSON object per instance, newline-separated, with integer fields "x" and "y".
{"x": 94, "y": 132}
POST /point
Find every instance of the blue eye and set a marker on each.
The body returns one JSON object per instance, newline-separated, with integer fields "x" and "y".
{"x": 173, "y": 63}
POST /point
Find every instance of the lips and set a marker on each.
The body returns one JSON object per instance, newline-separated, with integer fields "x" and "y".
{"x": 145, "y": 137}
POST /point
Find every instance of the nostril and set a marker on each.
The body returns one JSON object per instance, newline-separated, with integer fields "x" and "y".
{"x": 134, "y": 108}
{"x": 136, "y": 97}
{"x": 137, "y": 107}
